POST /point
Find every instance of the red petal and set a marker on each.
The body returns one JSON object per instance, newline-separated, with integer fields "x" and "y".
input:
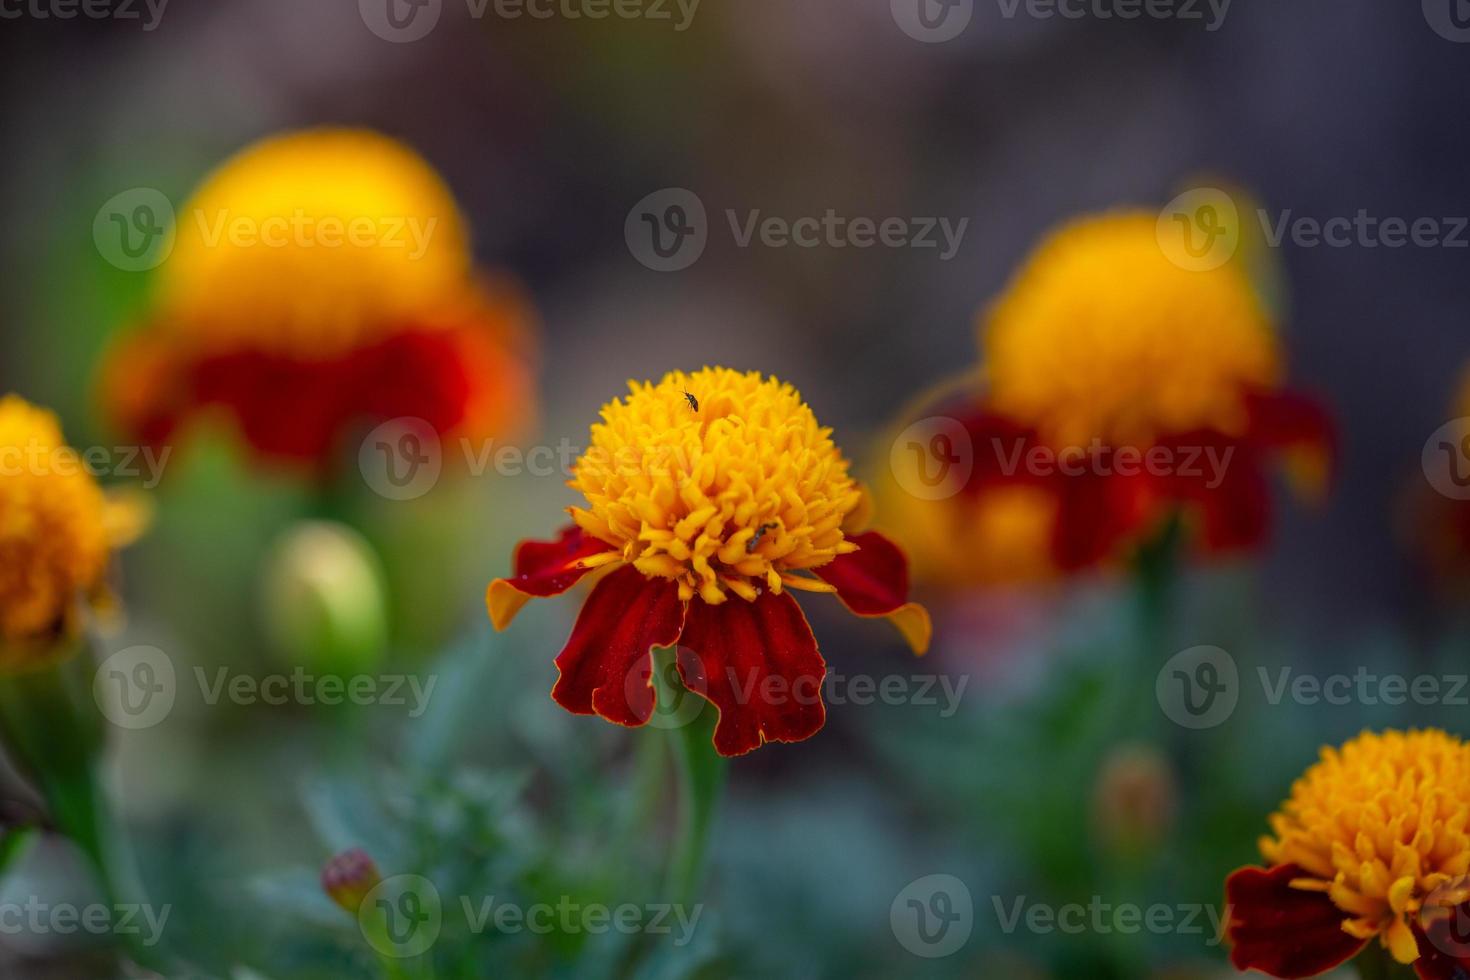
{"x": 606, "y": 666}
{"x": 542, "y": 568}
{"x": 1096, "y": 514}
{"x": 1283, "y": 931}
{"x": 758, "y": 663}
{"x": 874, "y": 581}
{"x": 1282, "y": 419}
{"x": 1444, "y": 948}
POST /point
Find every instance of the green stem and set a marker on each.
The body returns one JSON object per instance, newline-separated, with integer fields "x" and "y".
{"x": 54, "y": 735}
{"x": 702, "y": 775}
{"x": 1374, "y": 963}
{"x": 1156, "y": 568}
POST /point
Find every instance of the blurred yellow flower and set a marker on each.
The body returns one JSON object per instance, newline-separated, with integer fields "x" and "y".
{"x": 57, "y": 531}
{"x": 313, "y": 243}
{"x": 321, "y": 284}
{"x": 1101, "y": 336}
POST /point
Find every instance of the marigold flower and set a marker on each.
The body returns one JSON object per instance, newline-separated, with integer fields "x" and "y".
{"x": 1372, "y": 843}
{"x": 57, "y": 532}
{"x": 710, "y": 497}
{"x": 1122, "y": 388}
{"x": 322, "y": 280}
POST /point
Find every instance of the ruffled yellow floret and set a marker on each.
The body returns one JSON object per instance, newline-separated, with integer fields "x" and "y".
{"x": 1101, "y": 336}
{"x": 54, "y": 525}
{"x": 313, "y": 242}
{"x": 1380, "y": 826}
{"x": 728, "y": 497}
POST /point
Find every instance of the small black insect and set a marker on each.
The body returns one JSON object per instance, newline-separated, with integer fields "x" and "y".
{"x": 755, "y": 539}
{"x": 693, "y": 402}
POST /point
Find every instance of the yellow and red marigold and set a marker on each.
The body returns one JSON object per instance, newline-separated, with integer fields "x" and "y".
{"x": 709, "y": 498}
{"x": 321, "y": 281}
{"x": 1125, "y": 373}
{"x": 1372, "y": 844}
{"x": 57, "y": 532}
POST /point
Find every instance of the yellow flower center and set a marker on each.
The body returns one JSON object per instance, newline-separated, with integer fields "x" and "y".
{"x": 1101, "y": 336}
{"x": 721, "y": 481}
{"x": 53, "y": 524}
{"x": 311, "y": 243}
{"x": 1380, "y": 826}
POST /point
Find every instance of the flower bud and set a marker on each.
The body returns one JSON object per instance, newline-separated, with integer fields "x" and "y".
{"x": 1134, "y": 798}
{"x": 349, "y": 877}
{"x": 325, "y": 603}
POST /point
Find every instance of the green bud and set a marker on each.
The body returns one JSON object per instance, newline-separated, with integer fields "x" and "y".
{"x": 324, "y": 599}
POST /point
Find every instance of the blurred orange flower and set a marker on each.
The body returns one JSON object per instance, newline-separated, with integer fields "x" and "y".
{"x": 57, "y": 533}
{"x": 319, "y": 282}
{"x": 1117, "y": 389}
